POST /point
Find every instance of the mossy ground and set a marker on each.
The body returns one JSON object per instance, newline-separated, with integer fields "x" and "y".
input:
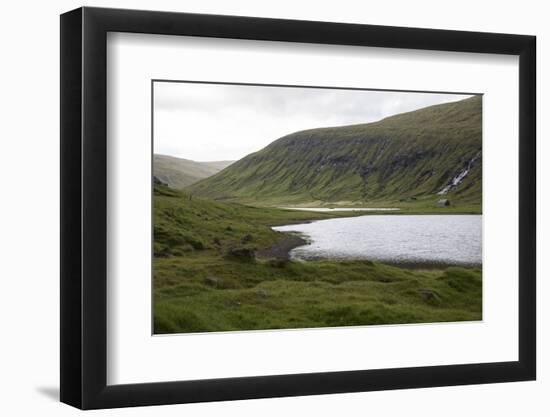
{"x": 198, "y": 288}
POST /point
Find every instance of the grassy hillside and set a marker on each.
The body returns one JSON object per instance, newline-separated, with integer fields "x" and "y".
{"x": 415, "y": 154}
{"x": 214, "y": 271}
{"x": 179, "y": 173}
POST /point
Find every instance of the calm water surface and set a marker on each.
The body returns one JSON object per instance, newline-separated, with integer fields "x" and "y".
{"x": 323, "y": 209}
{"x": 407, "y": 239}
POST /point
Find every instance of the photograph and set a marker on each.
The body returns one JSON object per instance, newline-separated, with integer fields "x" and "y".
{"x": 283, "y": 204}
{"x": 292, "y": 207}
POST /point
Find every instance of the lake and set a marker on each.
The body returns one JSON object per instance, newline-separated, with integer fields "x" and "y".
{"x": 328, "y": 209}
{"x": 398, "y": 239}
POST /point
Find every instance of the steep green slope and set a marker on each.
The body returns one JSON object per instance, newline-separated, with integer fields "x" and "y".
{"x": 179, "y": 173}
{"x": 413, "y": 154}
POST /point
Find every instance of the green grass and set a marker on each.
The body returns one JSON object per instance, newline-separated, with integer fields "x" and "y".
{"x": 198, "y": 288}
{"x": 413, "y": 154}
{"x": 267, "y": 295}
{"x": 184, "y": 224}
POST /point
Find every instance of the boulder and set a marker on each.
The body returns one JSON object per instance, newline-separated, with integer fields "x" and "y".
{"x": 429, "y": 295}
{"x": 157, "y": 181}
{"x": 443, "y": 202}
{"x": 278, "y": 263}
{"x": 247, "y": 238}
{"x": 263, "y": 293}
{"x": 242, "y": 254}
{"x": 211, "y": 281}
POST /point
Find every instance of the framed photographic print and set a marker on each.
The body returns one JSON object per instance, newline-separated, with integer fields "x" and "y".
{"x": 258, "y": 207}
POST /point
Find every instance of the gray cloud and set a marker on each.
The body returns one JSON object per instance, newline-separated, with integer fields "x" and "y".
{"x": 219, "y": 121}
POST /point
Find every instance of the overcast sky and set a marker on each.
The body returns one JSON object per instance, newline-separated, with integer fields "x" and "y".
{"x": 214, "y": 122}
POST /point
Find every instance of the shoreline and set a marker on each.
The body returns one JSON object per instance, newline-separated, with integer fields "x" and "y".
{"x": 416, "y": 212}
{"x": 281, "y": 249}
{"x": 341, "y": 214}
{"x": 291, "y": 240}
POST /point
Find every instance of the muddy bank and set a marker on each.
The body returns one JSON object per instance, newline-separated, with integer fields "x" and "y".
{"x": 281, "y": 249}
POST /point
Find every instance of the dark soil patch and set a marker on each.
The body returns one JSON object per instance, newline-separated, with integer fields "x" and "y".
{"x": 281, "y": 249}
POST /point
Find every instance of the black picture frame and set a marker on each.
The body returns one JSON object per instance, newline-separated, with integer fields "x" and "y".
{"x": 84, "y": 207}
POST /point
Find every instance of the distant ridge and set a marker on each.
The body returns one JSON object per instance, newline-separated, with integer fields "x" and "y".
{"x": 179, "y": 173}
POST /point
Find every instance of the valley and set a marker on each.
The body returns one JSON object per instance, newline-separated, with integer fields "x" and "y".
{"x": 256, "y": 243}
{"x": 180, "y": 173}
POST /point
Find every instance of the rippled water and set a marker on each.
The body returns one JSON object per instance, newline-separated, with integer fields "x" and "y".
{"x": 409, "y": 239}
